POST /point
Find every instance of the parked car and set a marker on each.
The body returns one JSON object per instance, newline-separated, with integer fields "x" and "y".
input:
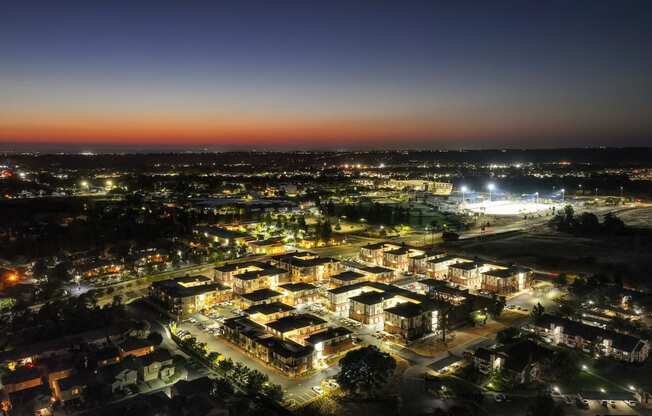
{"x": 318, "y": 390}
{"x": 500, "y": 398}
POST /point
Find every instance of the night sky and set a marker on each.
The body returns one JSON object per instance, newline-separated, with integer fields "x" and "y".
{"x": 329, "y": 74}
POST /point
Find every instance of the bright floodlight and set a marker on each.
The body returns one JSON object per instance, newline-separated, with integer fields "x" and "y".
{"x": 491, "y": 186}
{"x": 464, "y": 189}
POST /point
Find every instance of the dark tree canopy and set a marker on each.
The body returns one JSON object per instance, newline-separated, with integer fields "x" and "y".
{"x": 365, "y": 371}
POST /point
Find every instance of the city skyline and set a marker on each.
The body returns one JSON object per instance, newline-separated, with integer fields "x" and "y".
{"x": 326, "y": 76}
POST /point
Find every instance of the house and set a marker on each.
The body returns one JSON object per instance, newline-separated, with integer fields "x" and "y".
{"x": 296, "y": 326}
{"x": 348, "y": 277}
{"x": 306, "y": 266}
{"x": 505, "y": 280}
{"x": 184, "y": 296}
{"x": 32, "y": 401}
{"x": 268, "y": 312}
{"x": 258, "y": 297}
{"x": 72, "y": 387}
{"x": 299, "y": 293}
{"x": 157, "y": 365}
{"x": 117, "y": 377}
{"x": 330, "y": 342}
{"x": 22, "y": 378}
{"x": 522, "y": 361}
{"x": 268, "y": 247}
{"x": 377, "y": 273}
{"x": 136, "y": 347}
{"x": 591, "y": 339}
{"x": 411, "y": 320}
{"x": 256, "y": 277}
{"x": 288, "y": 356}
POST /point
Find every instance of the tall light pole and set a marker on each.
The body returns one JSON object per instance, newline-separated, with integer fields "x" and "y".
{"x": 563, "y": 194}
{"x": 464, "y": 190}
{"x": 491, "y": 186}
{"x": 536, "y": 197}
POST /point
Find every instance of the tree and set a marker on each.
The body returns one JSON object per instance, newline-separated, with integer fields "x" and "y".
{"x": 221, "y": 387}
{"x": 226, "y": 366}
{"x": 497, "y": 307}
{"x": 365, "y": 371}
{"x": 255, "y": 380}
{"x": 60, "y": 273}
{"x": 565, "y": 364}
{"x": 569, "y": 212}
{"x": 507, "y": 335}
{"x": 544, "y": 406}
{"x": 538, "y": 310}
{"x": 560, "y": 280}
{"x": 274, "y": 392}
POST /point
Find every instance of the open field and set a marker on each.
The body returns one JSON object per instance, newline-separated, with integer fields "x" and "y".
{"x": 544, "y": 248}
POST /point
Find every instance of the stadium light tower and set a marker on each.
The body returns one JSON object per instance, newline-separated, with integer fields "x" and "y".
{"x": 464, "y": 190}
{"x": 491, "y": 186}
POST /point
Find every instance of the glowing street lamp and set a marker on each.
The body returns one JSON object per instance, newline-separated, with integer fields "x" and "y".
{"x": 464, "y": 190}
{"x": 563, "y": 194}
{"x": 84, "y": 184}
{"x": 536, "y": 197}
{"x": 491, "y": 186}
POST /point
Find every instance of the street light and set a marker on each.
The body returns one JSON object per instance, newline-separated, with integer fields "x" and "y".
{"x": 464, "y": 190}
{"x": 584, "y": 367}
{"x": 491, "y": 186}
{"x": 563, "y": 194}
{"x": 84, "y": 184}
{"x": 536, "y": 195}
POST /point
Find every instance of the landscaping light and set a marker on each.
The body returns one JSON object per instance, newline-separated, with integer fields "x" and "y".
{"x": 632, "y": 388}
{"x": 602, "y": 390}
{"x": 584, "y": 367}
{"x": 556, "y": 389}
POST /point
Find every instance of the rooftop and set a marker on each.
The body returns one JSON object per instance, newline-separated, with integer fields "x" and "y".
{"x": 261, "y": 294}
{"x": 269, "y": 308}
{"x": 291, "y": 323}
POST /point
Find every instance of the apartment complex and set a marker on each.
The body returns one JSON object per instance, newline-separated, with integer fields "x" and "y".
{"x": 185, "y": 296}
{"x": 591, "y": 339}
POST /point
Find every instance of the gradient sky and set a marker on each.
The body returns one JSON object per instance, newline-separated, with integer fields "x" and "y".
{"x": 327, "y": 74}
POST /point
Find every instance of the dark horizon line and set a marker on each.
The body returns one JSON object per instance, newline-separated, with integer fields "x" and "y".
{"x": 174, "y": 149}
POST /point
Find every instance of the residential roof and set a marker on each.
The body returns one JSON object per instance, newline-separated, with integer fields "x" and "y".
{"x": 268, "y": 308}
{"x": 330, "y": 333}
{"x": 260, "y": 295}
{"x": 298, "y": 286}
{"x": 293, "y": 322}
{"x": 256, "y": 274}
{"x": 133, "y": 344}
{"x": 375, "y": 269}
{"x": 465, "y": 265}
{"x": 182, "y": 287}
{"x": 371, "y": 298}
{"x": 21, "y": 374}
{"x": 348, "y": 276}
{"x": 406, "y": 310}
